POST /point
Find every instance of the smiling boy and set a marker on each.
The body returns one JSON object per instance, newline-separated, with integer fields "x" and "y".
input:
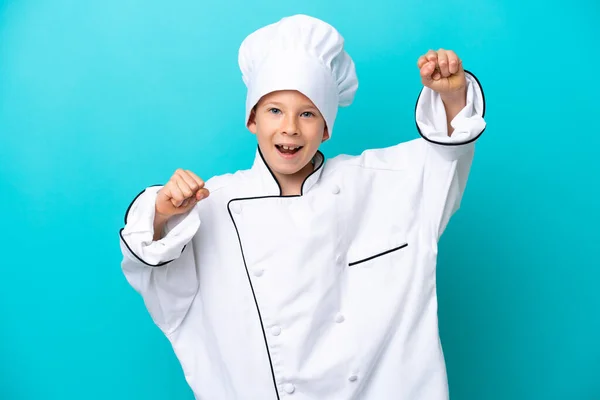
{"x": 289, "y": 130}
{"x": 303, "y": 277}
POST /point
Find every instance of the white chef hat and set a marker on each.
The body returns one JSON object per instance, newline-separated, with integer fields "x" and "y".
{"x": 299, "y": 53}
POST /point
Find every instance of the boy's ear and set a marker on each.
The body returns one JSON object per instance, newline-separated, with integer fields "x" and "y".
{"x": 252, "y": 121}
{"x": 325, "y": 135}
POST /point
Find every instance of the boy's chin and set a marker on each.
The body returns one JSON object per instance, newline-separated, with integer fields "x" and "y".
{"x": 291, "y": 169}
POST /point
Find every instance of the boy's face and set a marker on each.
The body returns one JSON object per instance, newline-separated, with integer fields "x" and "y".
{"x": 289, "y": 129}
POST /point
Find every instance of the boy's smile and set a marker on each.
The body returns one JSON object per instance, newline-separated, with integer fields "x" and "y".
{"x": 289, "y": 129}
{"x": 288, "y": 150}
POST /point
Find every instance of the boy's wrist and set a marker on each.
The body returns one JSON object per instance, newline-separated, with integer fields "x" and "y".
{"x": 454, "y": 100}
{"x": 160, "y": 220}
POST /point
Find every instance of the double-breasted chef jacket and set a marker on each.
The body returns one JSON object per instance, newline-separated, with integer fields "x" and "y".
{"x": 327, "y": 295}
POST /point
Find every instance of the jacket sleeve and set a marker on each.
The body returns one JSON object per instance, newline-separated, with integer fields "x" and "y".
{"x": 448, "y": 159}
{"x": 163, "y": 272}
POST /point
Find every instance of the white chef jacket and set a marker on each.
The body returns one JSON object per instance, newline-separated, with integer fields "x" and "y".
{"x": 327, "y": 295}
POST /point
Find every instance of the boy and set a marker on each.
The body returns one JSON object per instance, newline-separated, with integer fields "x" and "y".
{"x": 304, "y": 278}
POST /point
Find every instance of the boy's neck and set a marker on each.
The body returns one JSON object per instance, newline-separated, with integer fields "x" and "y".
{"x": 291, "y": 185}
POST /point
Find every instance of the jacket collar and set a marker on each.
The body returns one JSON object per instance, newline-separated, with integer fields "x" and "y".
{"x": 270, "y": 186}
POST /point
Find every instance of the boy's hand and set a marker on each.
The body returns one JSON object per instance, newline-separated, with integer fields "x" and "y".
{"x": 443, "y": 72}
{"x": 183, "y": 191}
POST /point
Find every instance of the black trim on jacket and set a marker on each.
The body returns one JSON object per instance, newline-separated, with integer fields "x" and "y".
{"x": 378, "y": 255}
{"x": 277, "y": 182}
{"x": 123, "y": 239}
{"x": 452, "y": 144}
{"x": 244, "y": 257}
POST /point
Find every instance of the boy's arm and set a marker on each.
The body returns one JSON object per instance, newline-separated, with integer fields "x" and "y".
{"x": 450, "y": 129}
{"x": 449, "y": 116}
{"x": 162, "y": 271}
{"x": 155, "y": 210}
{"x": 451, "y": 106}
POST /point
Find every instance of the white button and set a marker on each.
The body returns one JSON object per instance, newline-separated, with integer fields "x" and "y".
{"x": 275, "y": 331}
{"x": 289, "y": 388}
{"x": 258, "y": 272}
{"x": 352, "y": 378}
{"x": 236, "y": 208}
{"x": 335, "y": 189}
{"x": 339, "y": 318}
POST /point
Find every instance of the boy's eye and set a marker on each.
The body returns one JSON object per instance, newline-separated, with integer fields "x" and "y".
{"x": 307, "y": 114}
{"x": 274, "y": 110}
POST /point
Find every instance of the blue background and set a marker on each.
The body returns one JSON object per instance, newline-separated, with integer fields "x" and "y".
{"x": 99, "y": 99}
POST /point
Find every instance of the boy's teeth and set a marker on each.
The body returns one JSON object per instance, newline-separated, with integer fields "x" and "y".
{"x": 288, "y": 149}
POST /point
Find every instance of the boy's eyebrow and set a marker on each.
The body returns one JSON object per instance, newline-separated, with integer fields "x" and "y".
{"x": 281, "y": 105}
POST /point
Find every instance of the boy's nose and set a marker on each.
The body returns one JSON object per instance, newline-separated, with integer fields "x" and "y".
{"x": 290, "y": 126}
